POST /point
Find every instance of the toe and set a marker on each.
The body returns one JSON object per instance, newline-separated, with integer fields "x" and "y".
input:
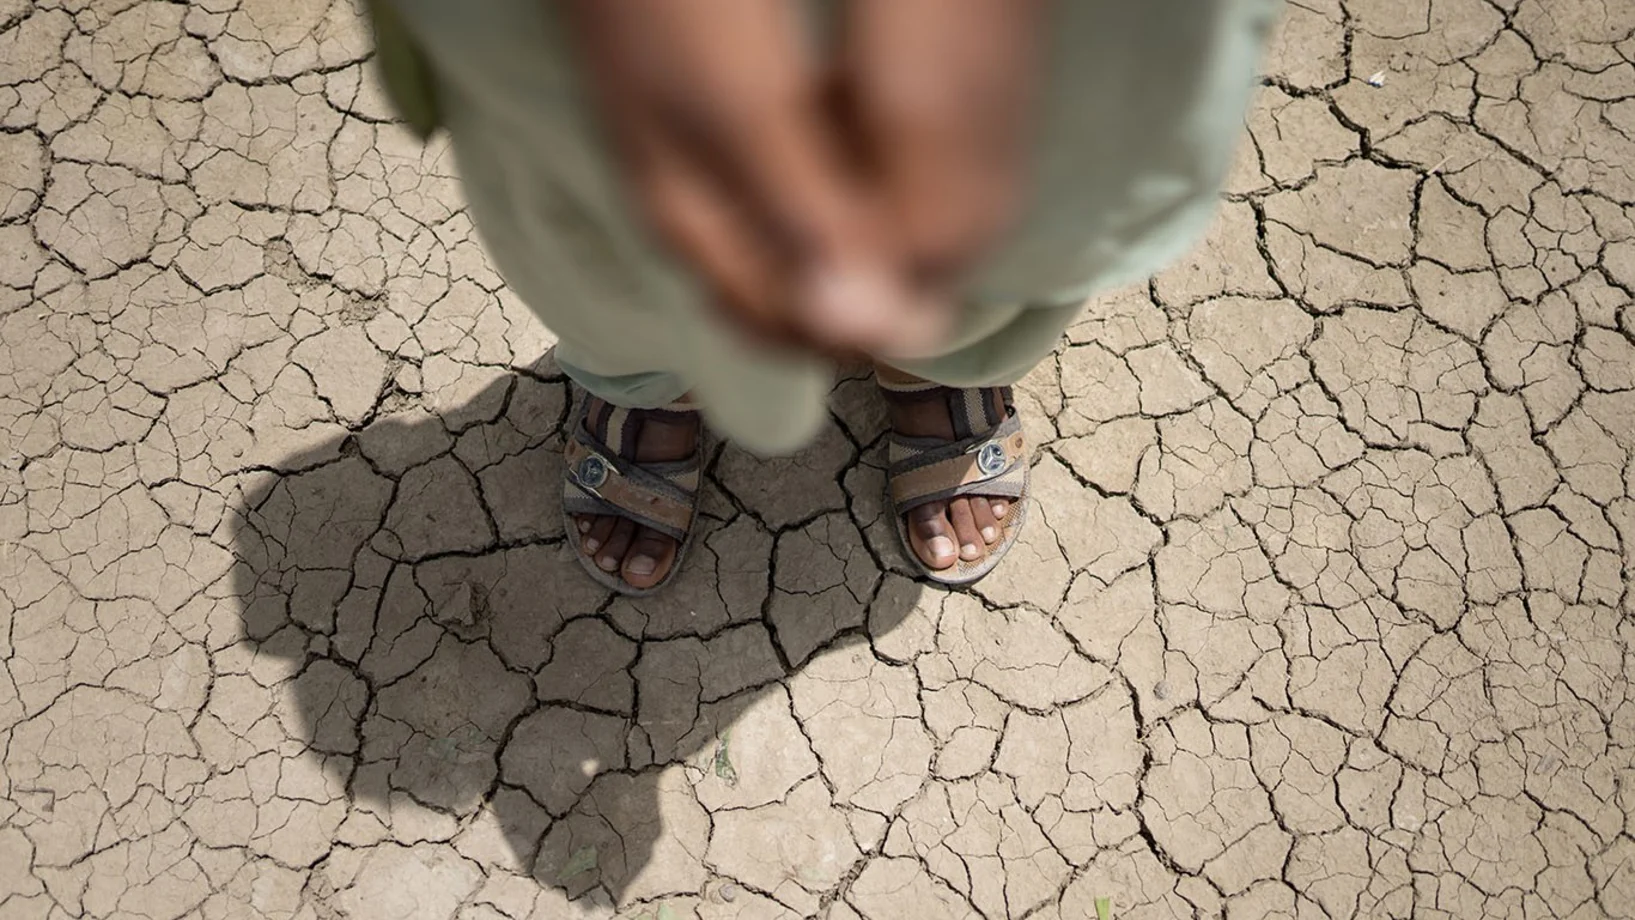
{"x": 986, "y": 524}
{"x": 649, "y": 560}
{"x": 600, "y": 529}
{"x": 612, "y": 555}
{"x": 932, "y": 535}
{"x": 971, "y": 545}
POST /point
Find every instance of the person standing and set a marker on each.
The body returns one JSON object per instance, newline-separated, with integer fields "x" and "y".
{"x": 713, "y": 202}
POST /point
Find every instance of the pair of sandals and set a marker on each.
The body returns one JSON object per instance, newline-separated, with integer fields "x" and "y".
{"x": 988, "y": 457}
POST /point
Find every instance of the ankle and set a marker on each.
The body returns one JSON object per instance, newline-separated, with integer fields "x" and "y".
{"x": 923, "y": 419}
{"x": 661, "y": 441}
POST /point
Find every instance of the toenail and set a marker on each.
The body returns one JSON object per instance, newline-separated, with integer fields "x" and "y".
{"x": 642, "y": 565}
{"x": 940, "y": 547}
{"x": 592, "y": 544}
{"x": 608, "y": 563}
{"x": 584, "y": 527}
{"x": 999, "y": 509}
{"x": 968, "y": 551}
{"x": 989, "y": 534}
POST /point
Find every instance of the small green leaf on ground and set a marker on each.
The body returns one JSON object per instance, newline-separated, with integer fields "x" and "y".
{"x": 1104, "y": 909}
{"x": 723, "y": 761}
{"x": 583, "y": 860}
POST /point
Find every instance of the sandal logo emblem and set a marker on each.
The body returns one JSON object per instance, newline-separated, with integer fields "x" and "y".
{"x": 592, "y": 472}
{"x": 990, "y": 460}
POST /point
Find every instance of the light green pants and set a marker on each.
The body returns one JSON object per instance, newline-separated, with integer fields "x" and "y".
{"x": 1143, "y": 105}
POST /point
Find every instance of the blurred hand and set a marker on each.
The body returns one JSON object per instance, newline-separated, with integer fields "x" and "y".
{"x": 829, "y": 204}
{"x": 940, "y": 94}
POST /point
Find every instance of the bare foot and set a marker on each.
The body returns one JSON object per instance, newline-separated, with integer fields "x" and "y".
{"x": 962, "y": 528}
{"x": 642, "y": 556}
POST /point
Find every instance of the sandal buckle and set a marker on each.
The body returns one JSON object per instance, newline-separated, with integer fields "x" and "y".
{"x": 990, "y": 458}
{"x": 592, "y": 472}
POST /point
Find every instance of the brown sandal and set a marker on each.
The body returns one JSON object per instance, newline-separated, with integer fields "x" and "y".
{"x": 604, "y": 480}
{"x": 987, "y": 457}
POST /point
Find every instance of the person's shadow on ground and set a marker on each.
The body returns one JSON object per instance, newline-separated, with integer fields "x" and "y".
{"x": 464, "y": 679}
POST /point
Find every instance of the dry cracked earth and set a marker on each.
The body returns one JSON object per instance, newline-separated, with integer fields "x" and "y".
{"x": 1325, "y": 610}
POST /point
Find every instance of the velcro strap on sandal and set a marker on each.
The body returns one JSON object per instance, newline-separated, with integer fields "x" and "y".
{"x": 656, "y": 495}
{"x": 926, "y": 470}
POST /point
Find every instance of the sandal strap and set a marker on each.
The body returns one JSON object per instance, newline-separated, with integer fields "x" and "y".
{"x": 619, "y": 429}
{"x": 993, "y": 464}
{"x": 603, "y": 480}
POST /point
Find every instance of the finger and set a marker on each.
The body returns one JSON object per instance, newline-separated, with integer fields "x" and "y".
{"x": 747, "y": 279}
{"x": 943, "y": 92}
{"x": 734, "y": 96}
{"x": 705, "y": 228}
{"x": 663, "y": 75}
{"x": 786, "y": 164}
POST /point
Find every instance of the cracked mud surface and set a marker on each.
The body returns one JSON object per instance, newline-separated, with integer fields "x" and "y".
{"x": 1325, "y": 613}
